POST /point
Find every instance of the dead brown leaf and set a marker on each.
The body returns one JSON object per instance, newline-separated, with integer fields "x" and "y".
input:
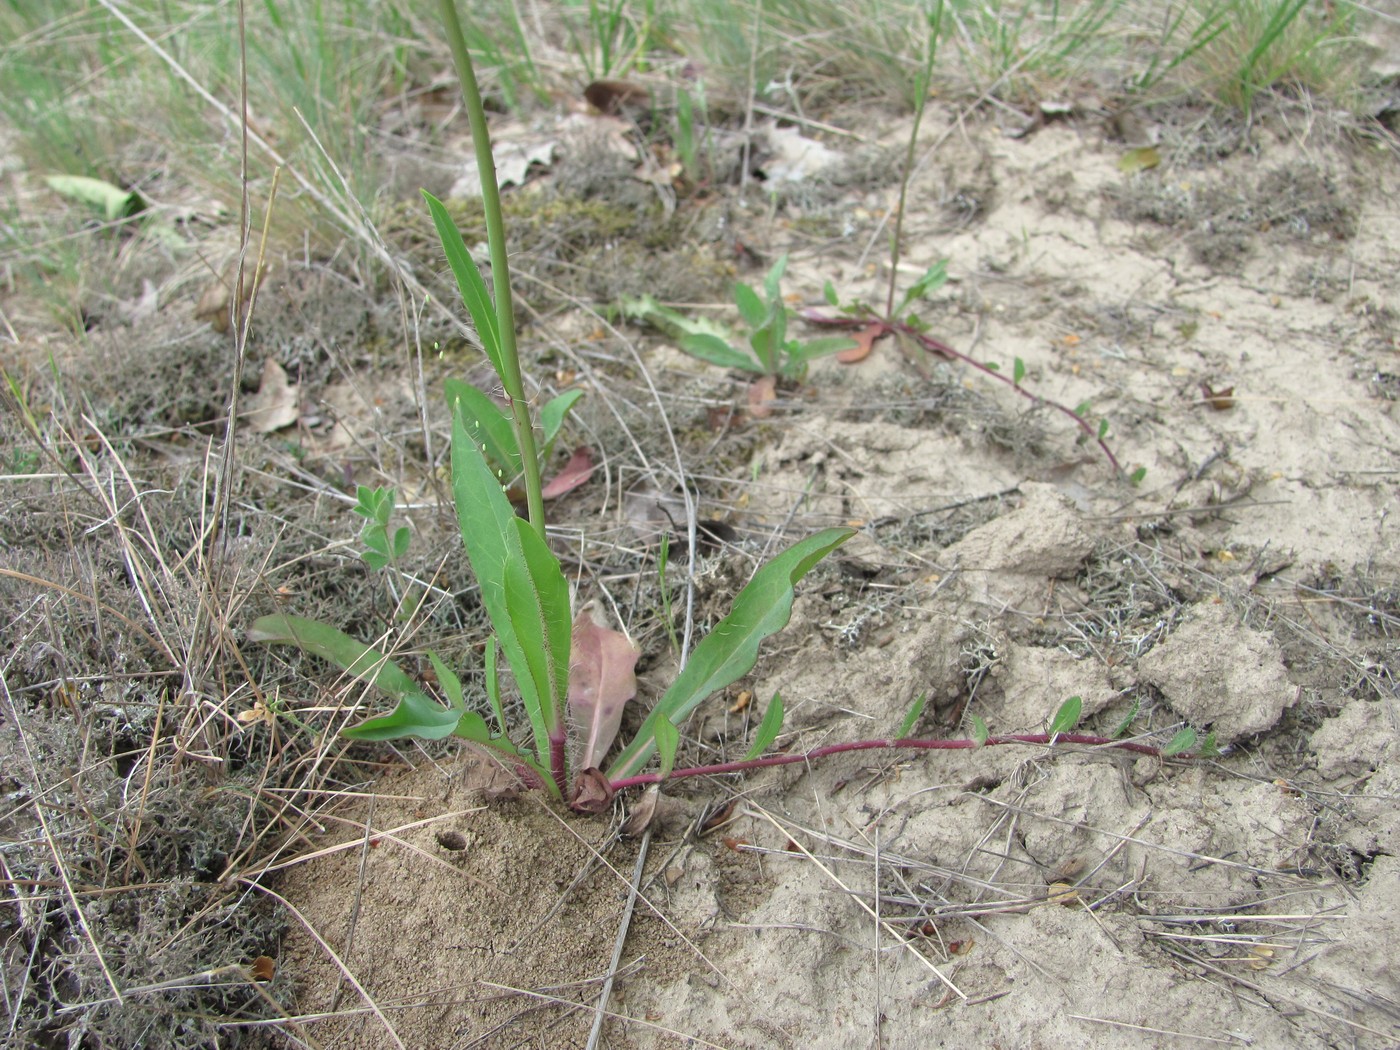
{"x": 865, "y": 344}
{"x": 643, "y": 813}
{"x": 575, "y": 472}
{"x": 1221, "y": 399}
{"x": 602, "y": 678}
{"x": 277, "y": 403}
{"x": 762, "y": 393}
{"x": 592, "y": 792}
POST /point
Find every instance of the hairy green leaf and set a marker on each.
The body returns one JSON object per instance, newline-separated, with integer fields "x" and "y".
{"x": 493, "y": 683}
{"x": 911, "y": 719}
{"x": 766, "y": 346}
{"x": 488, "y": 424}
{"x": 546, "y": 624}
{"x": 1067, "y": 717}
{"x": 521, "y": 590}
{"x": 646, "y": 309}
{"x": 552, "y": 417}
{"x": 447, "y": 678}
{"x": 715, "y": 350}
{"x": 668, "y": 741}
{"x": 752, "y": 309}
{"x": 979, "y": 731}
{"x": 1184, "y": 740}
{"x": 354, "y": 657}
{"x": 768, "y": 728}
{"x": 763, "y": 607}
{"x": 415, "y": 715}
{"x": 1127, "y": 723}
{"x": 469, "y": 281}
{"x": 772, "y": 280}
{"x": 114, "y": 202}
{"x": 934, "y": 278}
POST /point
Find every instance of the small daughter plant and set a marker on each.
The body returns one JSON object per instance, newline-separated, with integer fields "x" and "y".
{"x": 573, "y": 676}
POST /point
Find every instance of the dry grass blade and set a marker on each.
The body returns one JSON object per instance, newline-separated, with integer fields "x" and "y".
{"x": 60, "y": 866}
{"x": 789, "y": 830}
{"x": 624, "y": 1018}
{"x": 1156, "y": 1031}
{"x": 622, "y": 927}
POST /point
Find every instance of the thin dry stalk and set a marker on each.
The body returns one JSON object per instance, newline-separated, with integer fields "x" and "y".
{"x": 52, "y": 841}
{"x": 624, "y": 1018}
{"x": 622, "y": 927}
{"x": 789, "y": 830}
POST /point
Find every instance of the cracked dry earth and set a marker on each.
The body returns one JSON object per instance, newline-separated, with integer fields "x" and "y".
{"x": 1235, "y": 317}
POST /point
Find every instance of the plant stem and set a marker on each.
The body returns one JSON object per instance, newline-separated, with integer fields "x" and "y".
{"x": 510, "y": 376}
{"x": 935, "y": 346}
{"x": 921, "y": 85}
{"x": 558, "y": 758}
{"x": 891, "y": 745}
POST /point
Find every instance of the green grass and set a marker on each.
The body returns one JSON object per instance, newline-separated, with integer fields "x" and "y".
{"x": 87, "y": 96}
{"x": 1292, "y": 44}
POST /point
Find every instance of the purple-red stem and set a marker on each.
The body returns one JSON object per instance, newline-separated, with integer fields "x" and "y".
{"x": 938, "y": 347}
{"x": 558, "y": 743}
{"x": 875, "y": 745}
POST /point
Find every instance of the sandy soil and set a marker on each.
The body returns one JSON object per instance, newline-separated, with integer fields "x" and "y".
{"x": 1004, "y": 897}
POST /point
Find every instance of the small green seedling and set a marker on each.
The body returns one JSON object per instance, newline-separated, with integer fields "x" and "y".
{"x": 377, "y": 506}
{"x": 770, "y": 350}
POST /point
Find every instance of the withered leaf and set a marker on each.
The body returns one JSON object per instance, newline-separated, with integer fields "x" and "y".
{"x": 277, "y": 403}
{"x": 617, "y": 96}
{"x": 643, "y": 813}
{"x": 602, "y": 678}
{"x": 865, "y": 344}
{"x": 575, "y": 472}
{"x": 1221, "y": 399}
{"x": 762, "y": 393}
{"x": 592, "y": 792}
{"x": 1140, "y": 159}
{"x": 263, "y": 968}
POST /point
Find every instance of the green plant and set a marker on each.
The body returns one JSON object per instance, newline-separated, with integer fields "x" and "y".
{"x": 1255, "y": 44}
{"x": 770, "y": 351}
{"x": 492, "y": 427}
{"x": 687, "y": 142}
{"x": 522, "y": 586}
{"x": 1018, "y": 51}
{"x": 573, "y": 675}
{"x": 615, "y": 40}
{"x": 376, "y": 506}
